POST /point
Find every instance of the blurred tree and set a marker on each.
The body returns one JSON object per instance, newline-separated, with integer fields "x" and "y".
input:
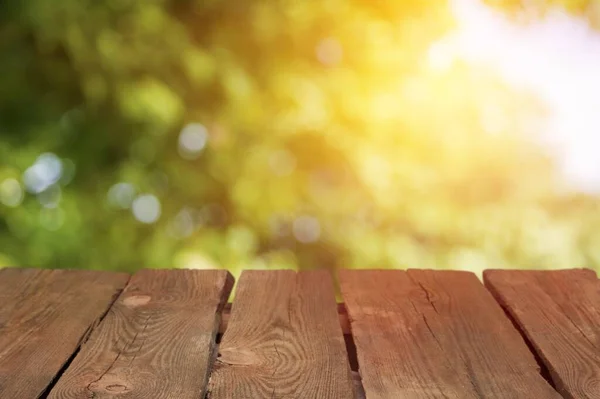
{"x": 286, "y": 134}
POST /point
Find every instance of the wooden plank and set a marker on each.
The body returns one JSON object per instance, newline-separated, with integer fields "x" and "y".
{"x": 156, "y": 341}
{"x": 559, "y": 313}
{"x": 436, "y": 334}
{"x": 44, "y": 316}
{"x": 283, "y": 340}
{"x": 341, "y": 309}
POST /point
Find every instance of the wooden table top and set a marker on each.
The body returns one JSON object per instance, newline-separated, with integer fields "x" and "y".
{"x": 398, "y": 334}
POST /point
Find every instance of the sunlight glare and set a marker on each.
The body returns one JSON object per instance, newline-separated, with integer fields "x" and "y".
{"x": 558, "y": 58}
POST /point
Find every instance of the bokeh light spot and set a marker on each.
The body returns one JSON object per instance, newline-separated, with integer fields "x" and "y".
{"x": 50, "y": 197}
{"x": 192, "y": 140}
{"x": 183, "y": 224}
{"x": 329, "y": 52}
{"x": 146, "y": 208}
{"x": 306, "y": 229}
{"x": 194, "y": 260}
{"x": 46, "y": 171}
{"x": 52, "y": 218}
{"x": 121, "y": 195}
{"x": 11, "y": 192}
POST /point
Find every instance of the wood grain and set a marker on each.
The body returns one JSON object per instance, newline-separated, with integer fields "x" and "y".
{"x": 559, "y": 313}
{"x": 156, "y": 341}
{"x": 436, "y": 334}
{"x": 341, "y": 309}
{"x": 44, "y": 316}
{"x": 283, "y": 340}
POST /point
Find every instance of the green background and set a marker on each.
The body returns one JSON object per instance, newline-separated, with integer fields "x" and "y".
{"x": 329, "y": 141}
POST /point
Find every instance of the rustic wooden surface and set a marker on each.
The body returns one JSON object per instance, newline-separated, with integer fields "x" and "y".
{"x": 418, "y": 334}
{"x": 283, "y": 340}
{"x": 341, "y": 309}
{"x": 559, "y": 312}
{"x": 426, "y": 334}
{"x": 44, "y": 316}
{"x": 156, "y": 342}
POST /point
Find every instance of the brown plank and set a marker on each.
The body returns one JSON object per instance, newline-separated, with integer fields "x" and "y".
{"x": 283, "y": 340}
{"x": 436, "y": 334}
{"x": 559, "y": 313}
{"x": 156, "y": 341}
{"x": 44, "y": 316}
{"x": 341, "y": 309}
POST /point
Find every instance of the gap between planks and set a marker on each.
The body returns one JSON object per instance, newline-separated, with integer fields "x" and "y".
{"x": 348, "y": 339}
{"x": 346, "y": 329}
{"x": 351, "y": 348}
{"x": 345, "y": 326}
{"x": 344, "y": 323}
{"x": 83, "y": 340}
{"x": 225, "y": 314}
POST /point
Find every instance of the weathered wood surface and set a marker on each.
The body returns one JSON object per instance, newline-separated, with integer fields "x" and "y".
{"x": 44, "y": 316}
{"x": 283, "y": 340}
{"x": 436, "y": 334}
{"x": 559, "y": 312}
{"x": 419, "y": 334}
{"x": 341, "y": 309}
{"x": 156, "y": 341}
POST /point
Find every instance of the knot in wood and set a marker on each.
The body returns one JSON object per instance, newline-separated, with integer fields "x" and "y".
{"x": 136, "y": 300}
{"x": 117, "y": 388}
{"x": 240, "y": 357}
{"x": 110, "y": 384}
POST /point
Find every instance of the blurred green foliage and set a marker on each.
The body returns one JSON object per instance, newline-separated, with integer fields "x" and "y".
{"x": 281, "y": 134}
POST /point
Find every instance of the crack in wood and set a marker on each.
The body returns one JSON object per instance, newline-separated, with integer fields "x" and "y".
{"x": 428, "y": 294}
{"x": 143, "y": 342}
{"x": 84, "y": 339}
